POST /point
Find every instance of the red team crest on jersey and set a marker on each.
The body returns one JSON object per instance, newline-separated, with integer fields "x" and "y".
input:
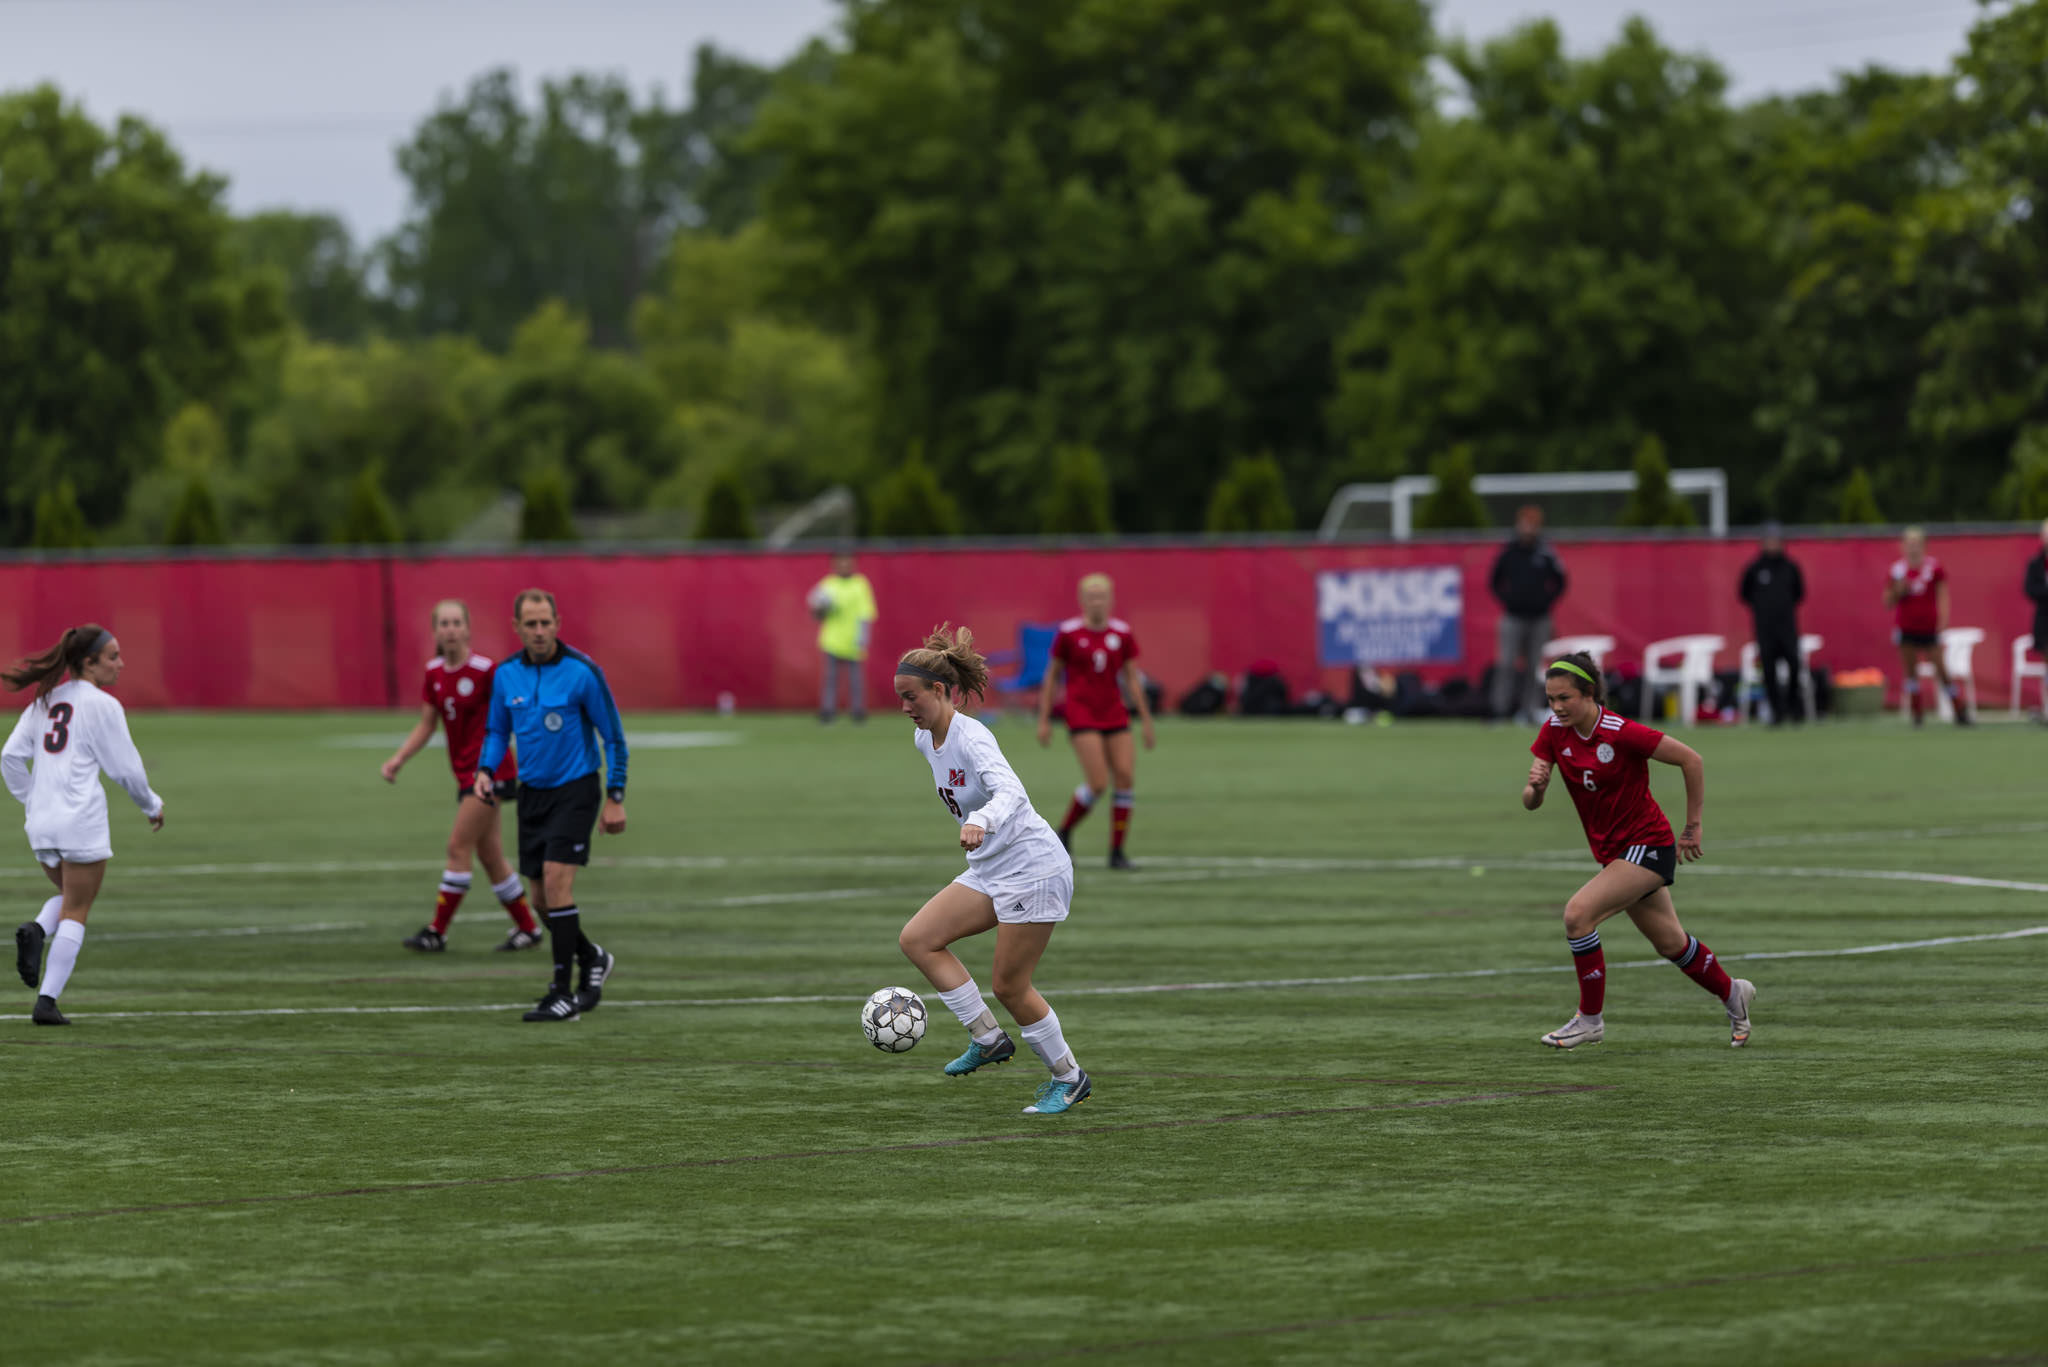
{"x": 1094, "y": 658}
{"x": 956, "y": 778}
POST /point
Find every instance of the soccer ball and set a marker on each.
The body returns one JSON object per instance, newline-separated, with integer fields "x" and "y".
{"x": 893, "y": 1019}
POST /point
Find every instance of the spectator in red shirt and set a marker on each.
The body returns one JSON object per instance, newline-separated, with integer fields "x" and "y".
{"x": 1917, "y": 594}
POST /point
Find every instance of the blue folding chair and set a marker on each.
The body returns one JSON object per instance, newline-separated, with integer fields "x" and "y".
{"x": 1030, "y": 658}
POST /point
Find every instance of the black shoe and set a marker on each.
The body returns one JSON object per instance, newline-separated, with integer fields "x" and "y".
{"x": 428, "y": 941}
{"x": 1962, "y": 715}
{"x": 590, "y": 991}
{"x": 46, "y": 1013}
{"x": 28, "y": 952}
{"x": 1119, "y": 860}
{"x": 557, "y": 1005}
{"x": 1066, "y": 839}
{"x": 521, "y": 939}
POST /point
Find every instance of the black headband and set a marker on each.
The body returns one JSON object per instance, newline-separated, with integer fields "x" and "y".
{"x": 920, "y": 672}
{"x": 99, "y": 642}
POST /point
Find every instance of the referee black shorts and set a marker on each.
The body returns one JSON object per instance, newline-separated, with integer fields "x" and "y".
{"x": 555, "y": 824}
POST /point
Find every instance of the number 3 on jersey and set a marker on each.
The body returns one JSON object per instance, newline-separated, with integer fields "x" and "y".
{"x": 60, "y": 729}
{"x": 946, "y": 796}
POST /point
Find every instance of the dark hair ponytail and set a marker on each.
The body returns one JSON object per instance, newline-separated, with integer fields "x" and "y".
{"x": 951, "y": 655}
{"x": 1598, "y": 686}
{"x": 74, "y": 649}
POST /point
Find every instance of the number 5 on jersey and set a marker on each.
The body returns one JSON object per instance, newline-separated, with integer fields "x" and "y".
{"x": 946, "y": 796}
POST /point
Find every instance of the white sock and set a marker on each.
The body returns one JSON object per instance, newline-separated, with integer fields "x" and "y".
{"x": 63, "y": 957}
{"x": 1050, "y": 1045}
{"x": 457, "y": 883}
{"x": 511, "y": 890}
{"x": 52, "y": 912}
{"x": 965, "y": 1002}
{"x": 1085, "y": 795}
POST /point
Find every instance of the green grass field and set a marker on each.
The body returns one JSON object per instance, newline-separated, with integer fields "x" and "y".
{"x": 272, "y": 1136}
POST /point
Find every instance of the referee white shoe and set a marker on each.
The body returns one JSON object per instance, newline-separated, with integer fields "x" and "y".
{"x": 1577, "y": 1031}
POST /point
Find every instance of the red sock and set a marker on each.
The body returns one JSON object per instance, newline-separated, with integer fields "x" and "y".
{"x": 1589, "y": 961}
{"x": 522, "y": 915}
{"x": 453, "y": 887}
{"x": 1078, "y": 808}
{"x": 1699, "y": 964}
{"x": 1119, "y": 819}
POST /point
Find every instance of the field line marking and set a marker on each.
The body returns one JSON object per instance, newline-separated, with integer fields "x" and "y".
{"x": 310, "y": 928}
{"x": 1593, "y": 1293}
{"x": 737, "y": 1160}
{"x": 1114, "y": 990}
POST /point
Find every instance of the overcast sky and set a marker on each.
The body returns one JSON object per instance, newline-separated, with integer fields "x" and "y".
{"x": 300, "y": 103}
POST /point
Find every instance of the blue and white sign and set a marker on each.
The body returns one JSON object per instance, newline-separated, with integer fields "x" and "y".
{"x": 1390, "y": 617}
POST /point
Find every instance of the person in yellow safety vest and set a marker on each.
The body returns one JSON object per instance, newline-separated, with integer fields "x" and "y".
{"x": 844, "y": 604}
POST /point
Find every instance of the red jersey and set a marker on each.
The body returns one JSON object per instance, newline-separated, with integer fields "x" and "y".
{"x": 1918, "y": 614}
{"x": 1094, "y": 658}
{"x": 1608, "y": 775}
{"x": 462, "y": 697}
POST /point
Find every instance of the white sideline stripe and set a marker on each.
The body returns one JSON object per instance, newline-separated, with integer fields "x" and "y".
{"x": 1125, "y": 990}
{"x": 635, "y": 740}
{"x": 312, "y": 928}
{"x": 915, "y": 860}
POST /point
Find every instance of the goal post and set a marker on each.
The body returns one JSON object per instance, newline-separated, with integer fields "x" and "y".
{"x": 1587, "y": 498}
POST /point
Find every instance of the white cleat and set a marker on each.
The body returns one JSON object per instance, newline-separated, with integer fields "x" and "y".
{"x": 1740, "y": 995}
{"x": 1577, "y": 1031}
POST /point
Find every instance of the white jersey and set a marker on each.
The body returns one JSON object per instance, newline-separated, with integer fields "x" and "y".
{"x": 71, "y": 737}
{"x": 980, "y": 788}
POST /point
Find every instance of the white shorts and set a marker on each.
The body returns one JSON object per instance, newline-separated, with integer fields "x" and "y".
{"x": 50, "y": 859}
{"x": 1025, "y": 900}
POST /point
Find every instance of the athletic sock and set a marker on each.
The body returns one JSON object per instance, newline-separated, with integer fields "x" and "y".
{"x": 454, "y": 887}
{"x": 1120, "y": 817}
{"x": 1589, "y": 961}
{"x": 965, "y": 1002}
{"x": 63, "y": 958}
{"x": 1084, "y": 800}
{"x": 512, "y": 893}
{"x": 565, "y": 932}
{"x": 50, "y": 915}
{"x": 1697, "y": 962}
{"x": 1050, "y": 1045}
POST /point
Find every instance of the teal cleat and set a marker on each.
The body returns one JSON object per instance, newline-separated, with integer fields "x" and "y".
{"x": 1055, "y": 1097}
{"x": 980, "y": 1055}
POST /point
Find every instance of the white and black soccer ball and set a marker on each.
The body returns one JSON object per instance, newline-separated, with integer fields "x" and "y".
{"x": 893, "y": 1019}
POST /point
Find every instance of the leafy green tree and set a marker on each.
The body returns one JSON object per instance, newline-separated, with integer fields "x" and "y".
{"x": 60, "y": 523}
{"x": 367, "y": 519}
{"x": 322, "y": 276}
{"x": 909, "y": 501}
{"x": 1651, "y": 503}
{"x": 1856, "y": 505}
{"x": 567, "y": 407}
{"x": 546, "y": 515}
{"x": 1452, "y": 505}
{"x": 1251, "y": 497}
{"x": 122, "y": 300}
{"x": 1129, "y": 224}
{"x": 195, "y": 518}
{"x": 727, "y": 514}
{"x": 511, "y": 206}
{"x": 1076, "y": 497}
{"x": 722, "y": 174}
{"x": 1582, "y": 264}
{"x": 2024, "y": 491}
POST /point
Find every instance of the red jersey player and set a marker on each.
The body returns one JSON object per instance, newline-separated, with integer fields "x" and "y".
{"x": 1917, "y": 593}
{"x": 1098, "y": 657}
{"x": 457, "y": 694}
{"x": 1603, "y": 759}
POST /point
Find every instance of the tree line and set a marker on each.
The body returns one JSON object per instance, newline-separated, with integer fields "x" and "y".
{"x": 1076, "y": 267}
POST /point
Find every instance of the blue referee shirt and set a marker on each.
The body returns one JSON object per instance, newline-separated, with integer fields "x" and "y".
{"x": 557, "y": 710}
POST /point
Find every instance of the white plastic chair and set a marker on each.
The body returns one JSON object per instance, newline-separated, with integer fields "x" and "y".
{"x": 1691, "y": 667}
{"x": 2024, "y": 669}
{"x": 1958, "y": 653}
{"x": 1599, "y": 647}
{"x": 1753, "y": 675}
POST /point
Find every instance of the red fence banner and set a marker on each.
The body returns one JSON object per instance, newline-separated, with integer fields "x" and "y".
{"x": 676, "y": 630}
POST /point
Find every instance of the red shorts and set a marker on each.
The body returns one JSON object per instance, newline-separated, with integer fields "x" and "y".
{"x": 1107, "y": 723}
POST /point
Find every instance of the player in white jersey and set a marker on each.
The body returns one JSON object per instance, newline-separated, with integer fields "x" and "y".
{"x": 1019, "y": 879}
{"x": 72, "y": 733}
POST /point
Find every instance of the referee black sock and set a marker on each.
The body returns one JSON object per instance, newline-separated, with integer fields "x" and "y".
{"x": 565, "y": 933}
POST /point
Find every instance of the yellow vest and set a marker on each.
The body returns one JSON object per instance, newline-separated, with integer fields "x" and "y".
{"x": 852, "y": 606}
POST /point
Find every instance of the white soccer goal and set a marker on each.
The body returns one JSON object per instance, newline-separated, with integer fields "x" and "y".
{"x": 1587, "y": 498}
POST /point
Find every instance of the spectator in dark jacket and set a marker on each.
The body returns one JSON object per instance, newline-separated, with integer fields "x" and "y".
{"x": 1774, "y": 588}
{"x": 2037, "y": 589}
{"x": 1527, "y": 579}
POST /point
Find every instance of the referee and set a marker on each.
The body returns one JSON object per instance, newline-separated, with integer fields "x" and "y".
{"x": 553, "y": 699}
